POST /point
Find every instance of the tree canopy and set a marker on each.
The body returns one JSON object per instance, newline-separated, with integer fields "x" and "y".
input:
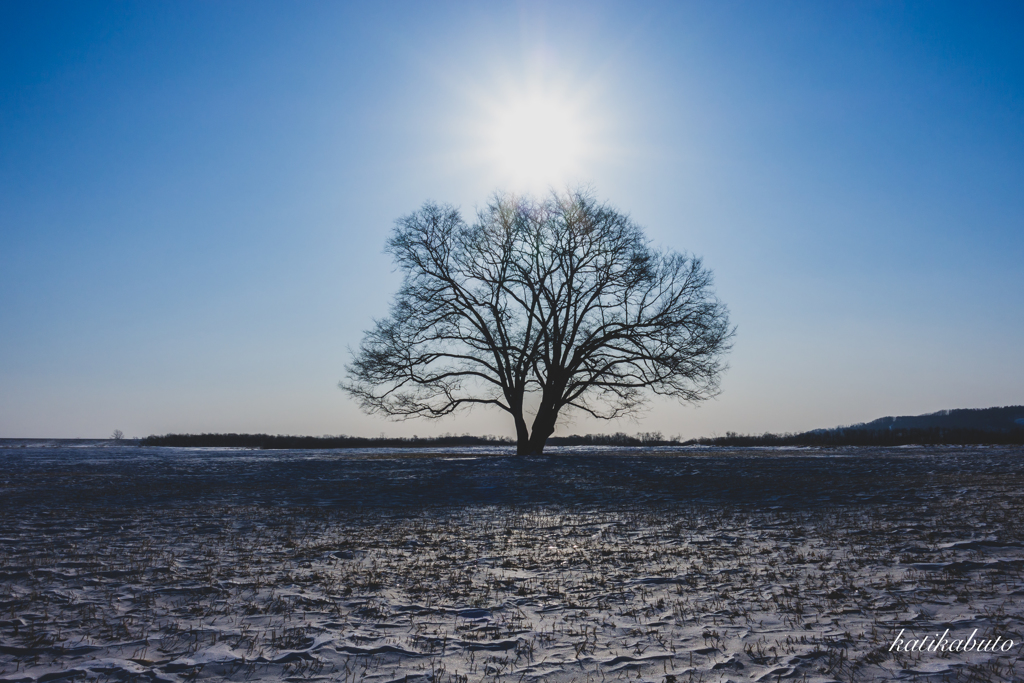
{"x": 538, "y": 306}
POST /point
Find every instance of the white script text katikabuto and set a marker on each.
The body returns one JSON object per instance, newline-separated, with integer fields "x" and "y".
{"x": 944, "y": 643}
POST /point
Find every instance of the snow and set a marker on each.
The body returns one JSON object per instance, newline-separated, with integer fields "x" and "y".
{"x": 713, "y": 565}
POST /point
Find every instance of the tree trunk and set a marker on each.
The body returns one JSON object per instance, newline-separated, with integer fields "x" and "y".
{"x": 543, "y": 427}
{"x": 522, "y": 436}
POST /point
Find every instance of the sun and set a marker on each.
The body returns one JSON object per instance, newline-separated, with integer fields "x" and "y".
{"x": 536, "y": 138}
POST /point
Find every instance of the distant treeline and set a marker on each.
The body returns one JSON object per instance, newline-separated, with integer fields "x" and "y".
{"x": 843, "y": 436}
{"x": 954, "y": 427}
{"x": 267, "y": 441}
{"x": 616, "y": 439}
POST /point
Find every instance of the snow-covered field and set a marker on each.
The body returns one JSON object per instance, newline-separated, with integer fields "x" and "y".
{"x": 123, "y": 563}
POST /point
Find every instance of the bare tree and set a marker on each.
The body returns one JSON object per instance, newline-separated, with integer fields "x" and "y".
{"x": 562, "y": 300}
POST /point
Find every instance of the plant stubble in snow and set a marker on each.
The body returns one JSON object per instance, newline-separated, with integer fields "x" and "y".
{"x": 167, "y": 564}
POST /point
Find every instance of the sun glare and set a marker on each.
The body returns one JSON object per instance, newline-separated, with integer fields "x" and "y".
{"x": 537, "y": 141}
{"x": 536, "y": 138}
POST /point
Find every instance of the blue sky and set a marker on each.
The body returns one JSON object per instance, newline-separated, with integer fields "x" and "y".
{"x": 194, "y": 197}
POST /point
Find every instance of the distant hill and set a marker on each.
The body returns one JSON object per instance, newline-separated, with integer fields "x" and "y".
{"x": 984, "y": 419}
{"x": 965, "y": 426}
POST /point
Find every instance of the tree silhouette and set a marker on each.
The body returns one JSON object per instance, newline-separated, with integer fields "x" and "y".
{"x": 539, "y": 306}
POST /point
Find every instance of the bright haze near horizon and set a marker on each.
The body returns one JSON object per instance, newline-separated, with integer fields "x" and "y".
{"x": 195, "y": 197}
